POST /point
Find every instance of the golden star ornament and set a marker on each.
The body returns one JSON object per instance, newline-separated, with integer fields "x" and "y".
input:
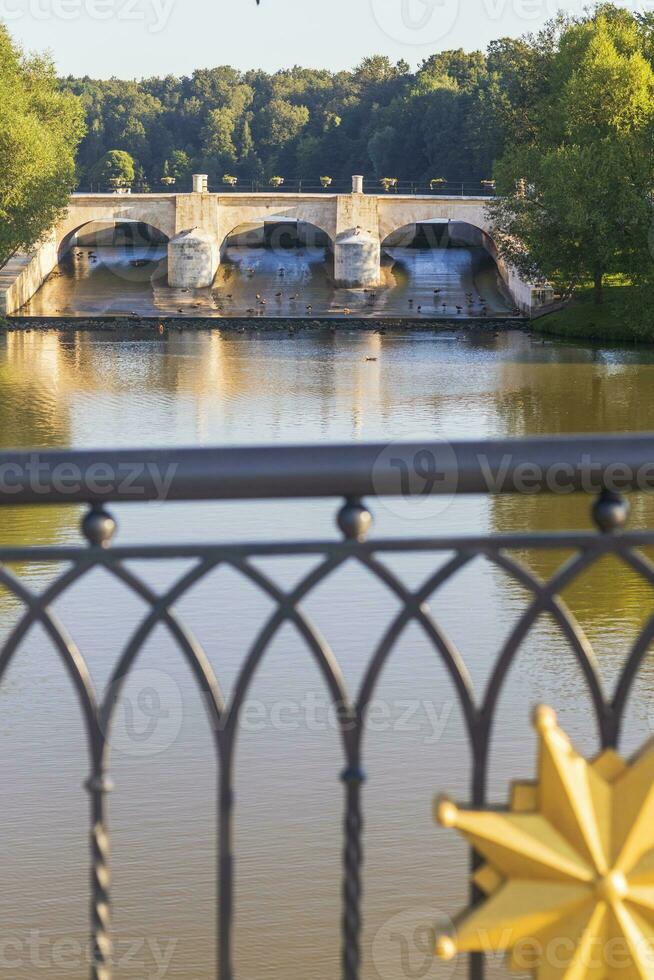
{"x": 569, "y": 872}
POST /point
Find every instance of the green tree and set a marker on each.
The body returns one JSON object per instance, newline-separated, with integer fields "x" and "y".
{"x": 115, "y": 169}
{"x": 179, "y": 164}
{"x": 141, "y": 185}
{"x": 282, "y": 122}
{"x": 218, "y": 139}
{"x": 40, "y": 128}
{"x": 380, "y": 150}
{"x": 577, "y": 202}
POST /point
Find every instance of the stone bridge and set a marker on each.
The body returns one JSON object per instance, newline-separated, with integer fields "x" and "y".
{"x": 198, "y": 225}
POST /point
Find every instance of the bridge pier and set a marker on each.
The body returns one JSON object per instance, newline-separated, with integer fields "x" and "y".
{"x": 193, "y": 259}
{"x": 357, "y": 259}
{"x": 357, "y": 245}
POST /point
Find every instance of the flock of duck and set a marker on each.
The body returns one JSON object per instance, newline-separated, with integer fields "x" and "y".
{"x": 476, "y": 306}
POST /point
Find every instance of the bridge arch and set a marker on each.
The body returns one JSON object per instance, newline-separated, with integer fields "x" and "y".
{"x": 395, "y": 214}
{"x": 439, "y": 232}
{"x": 133, "y": 233}
{"x": 159, "y": 214}
{"x": 277, "y": 231}
{"x": 319, "y": 213}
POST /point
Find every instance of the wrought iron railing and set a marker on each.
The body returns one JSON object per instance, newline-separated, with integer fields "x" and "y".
{"x": 371, "y": 185}
{"x": 603, "y": 467}
{"x": 464, "y": 187}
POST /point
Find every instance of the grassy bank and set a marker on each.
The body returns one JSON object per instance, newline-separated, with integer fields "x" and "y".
{"x": 625, "y": 315}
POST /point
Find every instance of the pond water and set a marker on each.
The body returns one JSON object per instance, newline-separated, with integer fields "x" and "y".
{"x": 85, "y": 389}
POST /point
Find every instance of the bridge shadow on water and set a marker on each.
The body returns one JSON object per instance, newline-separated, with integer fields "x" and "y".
{"x": 432, "y": 283}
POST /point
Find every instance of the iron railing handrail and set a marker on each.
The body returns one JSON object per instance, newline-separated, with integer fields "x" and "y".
{"x": 559, "y": 464}
{"x": 460, "y": 187}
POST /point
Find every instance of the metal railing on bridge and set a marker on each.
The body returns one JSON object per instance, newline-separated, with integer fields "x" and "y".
{"x": 302, "y": 185}
{"x": 371, "y": 185}
{"x": 601, "y": 467}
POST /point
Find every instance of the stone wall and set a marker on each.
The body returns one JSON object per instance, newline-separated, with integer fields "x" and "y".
{"x": 24, "y": 274}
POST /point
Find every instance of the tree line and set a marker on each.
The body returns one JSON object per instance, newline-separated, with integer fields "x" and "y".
{"x": 447, "y": 120}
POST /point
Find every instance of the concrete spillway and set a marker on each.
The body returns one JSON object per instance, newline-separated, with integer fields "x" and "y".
{"x": 259, "y": 282}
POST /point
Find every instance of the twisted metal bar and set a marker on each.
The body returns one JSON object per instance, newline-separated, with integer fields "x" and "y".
{"x": 353, "y": 777}
{"x": 225, "y": 872}
{"x": 102, "y": 962}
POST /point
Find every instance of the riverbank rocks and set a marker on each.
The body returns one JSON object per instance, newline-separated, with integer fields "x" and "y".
{"x": 295, "y": 325}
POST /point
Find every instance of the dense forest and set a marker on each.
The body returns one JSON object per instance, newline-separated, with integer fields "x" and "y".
{"x": 450, "y": 119}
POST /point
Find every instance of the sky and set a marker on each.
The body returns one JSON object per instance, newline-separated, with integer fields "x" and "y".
{"x": 140, "y": 38}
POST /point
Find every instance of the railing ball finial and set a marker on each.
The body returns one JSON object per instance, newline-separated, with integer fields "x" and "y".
{"x": 354, "y": 520}
{"x": 99, "y": 784}
{"x": 610, "y": 511}
{"x": 98, "y": 527}
{"x": 353, "y": 774}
